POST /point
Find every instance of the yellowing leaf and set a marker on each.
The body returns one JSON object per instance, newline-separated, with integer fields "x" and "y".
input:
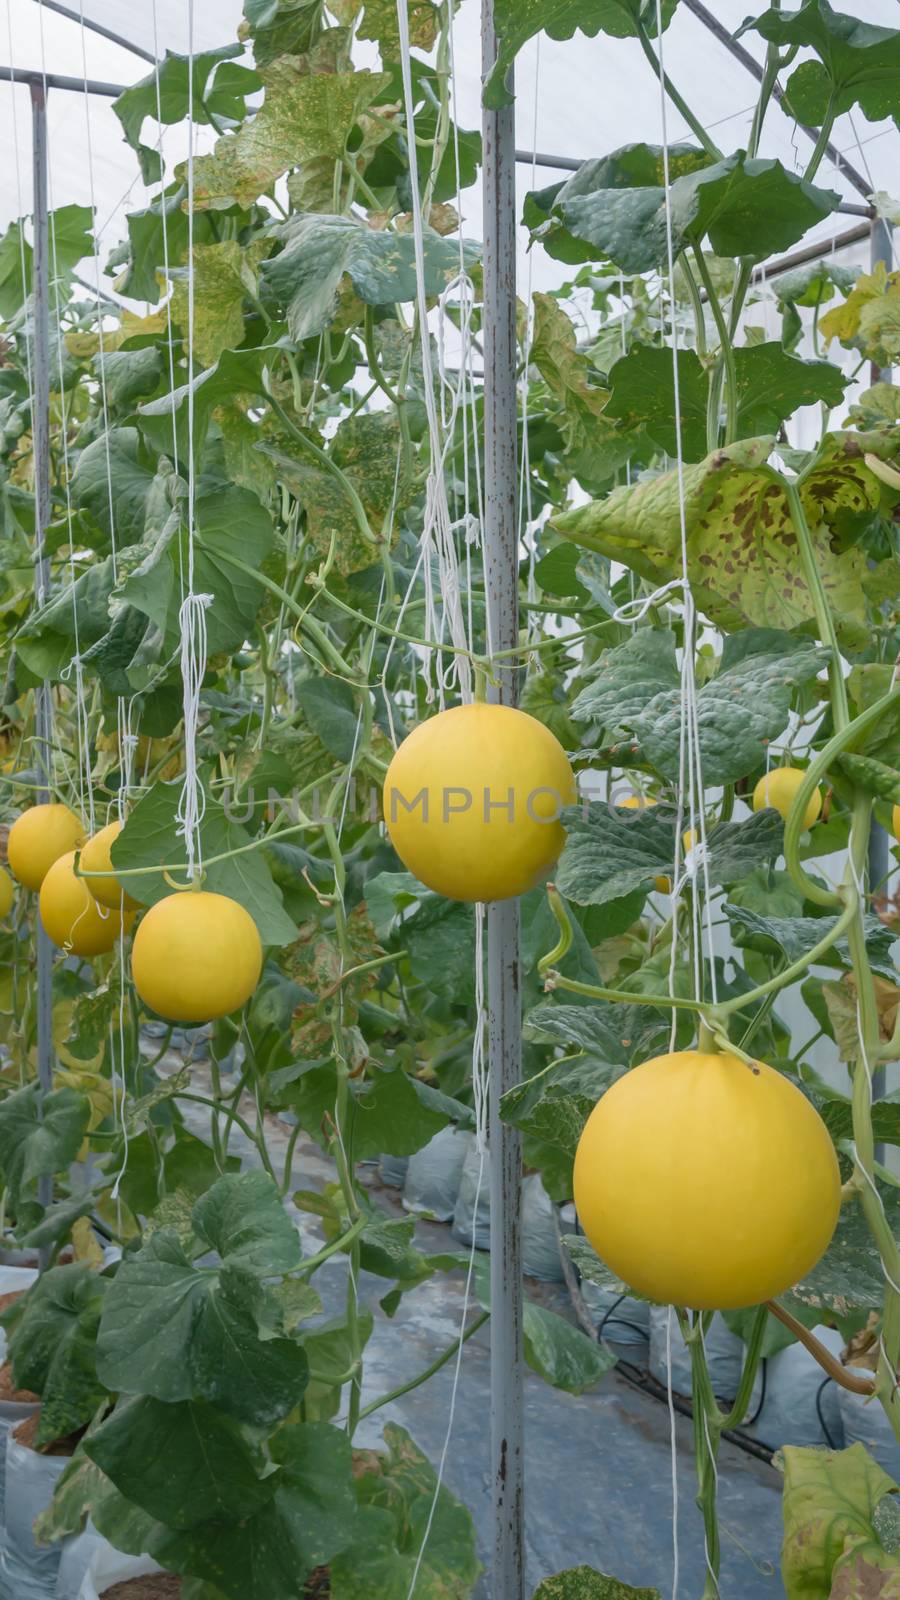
{"x": 380, "y": 22}
{"x": 830, "y": 1499}
{"x": 222, "y": 278}
{"x": 869, "y": 318}
{"x": 84, "y": 345}
{"x": 84, "y": 1243}
{"x": 306, "y": 114}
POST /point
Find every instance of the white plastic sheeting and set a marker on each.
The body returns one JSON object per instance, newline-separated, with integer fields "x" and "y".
{"x": 584, "y": 97}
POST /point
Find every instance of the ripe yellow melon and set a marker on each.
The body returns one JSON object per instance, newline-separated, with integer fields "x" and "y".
{"x": 705, "y": 1182}
{"x": 196, "y": 956}
{"x": 96, "y": 857}
{"x": 472, "y": 801}
{"x": 72, "y": 917}
{"x": 778, "y": 788}
{"x": 38, "y": 838}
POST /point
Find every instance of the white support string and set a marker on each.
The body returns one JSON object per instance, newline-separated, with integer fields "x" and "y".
{"x": 438, "y": 545}
{"x": 437, "y": 534}
{"x": 192, "y": 611}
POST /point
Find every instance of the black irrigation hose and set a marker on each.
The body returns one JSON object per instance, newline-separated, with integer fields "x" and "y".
{"x": 819, "y": 1412}
{"x": 648, "y": 1384}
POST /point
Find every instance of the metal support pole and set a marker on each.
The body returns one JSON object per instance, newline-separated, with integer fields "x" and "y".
{"x": 40, "y": 402}
{"x": 501, "y": 544}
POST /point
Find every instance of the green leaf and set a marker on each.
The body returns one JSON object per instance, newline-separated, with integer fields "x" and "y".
{"x": 114, "y": 480}
{"x": 183, "y": 1464}
{"x": 16, "y": 258}
{"x": 830, "y": 1498}
{"x": 150, "y": 837}
{"x": 554, "y": 1105}
{"x": 859, "y": 64}
{"x": 396, "y": 1492}
{"x": 813, "y": 284}
{"x": 620, "y": 1034}
{"x": 319, "y": 249}
{"x": 280, "y": 27}
{"x": 306, "y": 114}
{"x": 310, "y": 1516}
{"x": 128, "y": 375}
{"x": 219, "y": 92}
{"x": 389, "y": 1116}
{"x": 52, "y": 1349}
{"x": 771, "y": 385}
{"x": 592, "y": 1268}
{"x": 633, "y": 697}
{"x": 46, "y": 640}
{"x": 40, "y": 1134}
{"x": 610, "y": 852}
{"x": 174, "y": 1331}
{"x": 560, "y": 1353}
{"x": 517, "y": 21}
{"x": 743, "y": 559}
{"x": 796, "y": 936}
{"x": 71, "y": 230}
{"x": 158, "y": 238}
{"x": 745, "y": 207}
{"x": 849, "y": 1276}
{"x": 585, "y": 1583}
{"x": 236, "y": 373}
{"x": 228, "y": 523}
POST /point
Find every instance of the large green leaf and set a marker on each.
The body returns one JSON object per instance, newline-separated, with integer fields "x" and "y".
{"x": 796, "y": 936}
{"x": 150, "y": 837}
{"x": 609, "y": 851}
{"x": 748, "y": 208}
{"x": 771, "y": 385}
{"x": 184, "y": 1464}
{"x": 52, "y": 1348}
{"x": 16, "y": 257}
{"x": 585, "y": 1583}
{"x": 175, "y": 1331}
{"x": 859, "y": 63}
{"x": 744, "y": 561}
{"x": 116, "y": 481}
{"x": 389, "y": 1115}
{"x": 129, "y": 375}
{"x": 618, "y": 1034}
{"x": 517, "y": 21}
{"x": 830, "y": 1499}
{"x": 228, "y": 523}
{"x": 40, "y": 1134}
{"x": 218, "y": 93}
{"x": 165, "y": 421}
{"x": 319, "y": 249}
{"x": 46, "y": 640}
{"x": 633, "y": 693}
{"x": 306, "y": 114}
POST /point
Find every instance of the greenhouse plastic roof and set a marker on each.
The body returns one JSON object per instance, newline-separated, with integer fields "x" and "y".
{"x": 579, "y": 98}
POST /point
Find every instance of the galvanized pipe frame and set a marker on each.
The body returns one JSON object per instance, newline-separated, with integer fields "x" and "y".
{"x": 501, "y": 558}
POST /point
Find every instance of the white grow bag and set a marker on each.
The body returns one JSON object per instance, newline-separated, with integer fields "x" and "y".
{"x": 30, "y": 1482}
{"x": 108, "y": 1567}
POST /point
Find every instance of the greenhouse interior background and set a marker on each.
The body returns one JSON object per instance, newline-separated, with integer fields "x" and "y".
{"x": 610, "y": 1451}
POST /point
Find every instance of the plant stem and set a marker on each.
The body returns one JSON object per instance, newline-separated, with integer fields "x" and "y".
{"x": 312, "y": 1262}
{"x": 821, "y": 144}
{"x": 738, "y": 1412}
{"x": 422, "y": 1377}
{"x": 773, "y": 985}
{"x": 726, "y": 352}
{"x": 824, "y": 618}
{"x": 678, "y": 100}
{"x": 667, "y": 1002}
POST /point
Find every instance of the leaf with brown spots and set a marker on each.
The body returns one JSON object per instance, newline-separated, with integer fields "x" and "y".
{"x": 743, "y": 557}
{"x": 830, "y": 1498}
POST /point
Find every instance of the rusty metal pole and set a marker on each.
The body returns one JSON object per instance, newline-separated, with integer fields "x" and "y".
{"x": 501, "y": 547}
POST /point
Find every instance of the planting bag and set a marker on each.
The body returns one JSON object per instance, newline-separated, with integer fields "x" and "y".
{"x": 724, "y": 1355}
{"x": 865, "y": 1423}
{"x": 30, "y": 1482}
{"x": 789, "y": 1413}
{"x": 434, "y": 1174}
{"x": 471, "y": 1222}
{"x": 12, "y": 1412}
{"x": 76, "y": 1556}
{"x": 109, "y": 1567}
{"x": 392, "y": 1170}
{"x": 540, "y": 1246}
